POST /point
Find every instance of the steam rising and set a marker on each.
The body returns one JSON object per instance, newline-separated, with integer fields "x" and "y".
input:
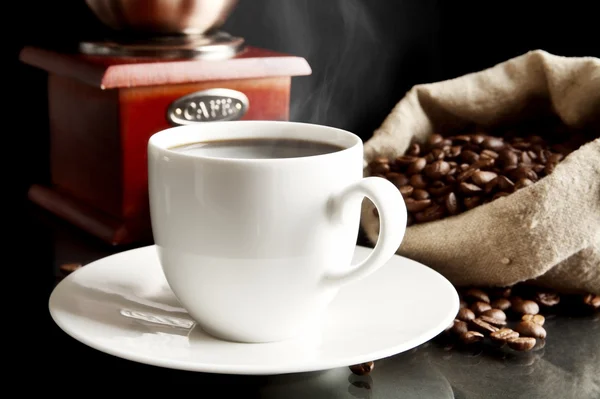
{"x": 339, "y": 39}
{"x": 340, "y": 65}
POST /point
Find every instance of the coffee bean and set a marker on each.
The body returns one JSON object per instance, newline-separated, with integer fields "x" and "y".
{"x": 439, "y": 189}
{"x": 482, "y": 326}
{"x": 471, "y": 337}
{"x": 525, "y": 158}
{"x": 592, "y": 301}
{"x": 493, "y": 143}
{"x": 503, "y": 335}
{"x": 549, "y": 168}
{"x": 522, "y": 183}
{"x": 523, "y": 172}
{"x": 505, "y": 184}
{"x": 521, "y": 344}
{"x": 431, "y": 213}
{"x": 493, "y": 321}
{"x": 438, "y": 153}
{"x": 450, "y": 179}
{"x": 463, "y": 304}
{"x": 500, "y": 303}
{"x": 507, "y": 158}
{"x": 417, "y": 181}
{"x": 404, "y": 160}
{"x": 454, "y": 152}
{"x": 420, "y": 194}
{"x": 531, "y": 329}
{"x": 462, "y": 139}
{"x": 480, "y": 307}
{"x": 495, "y": 313}
{"x": 465, "y": 314}
{"x": 521, "y": 145}
{"x": 547, "y": 298}
{"x": 488, "y": 154}
{"x": 478, "y": 138}
{"x": 538, "y": 168}
{"x": 469, "y": 189}
{"x": 525, "y": 307}
{"x": 451, "y": 204}
{"x": 380, "y": 168}
{"x": 476, "y": 295}
{"x": 466, "y": 174}
{"x": 434, "y": 139}
{"x": 445, "y": 143}
{"x": 398, "y": 179}
{"x": 469, "y": 156}
{"x": 490, "y": 186}
{"x": 414, "y": 149}
{"x": 481, "y": 177}
{"x": 472, "y": 202}
{"x": 413, "y": 205}
{"x": 406, "y": 190}
{"x": 535, "y": 318}
{"x": 484, "y": 163}
{"x": 555, "y": 157}
{"x": 416, "y": 166}
{"x": 437, "y": 169}
{"x": 363, "y": 368}
{"x": 459, "y": 327}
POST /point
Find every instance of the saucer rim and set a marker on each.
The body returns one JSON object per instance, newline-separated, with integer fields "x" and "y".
{"x": 237, "y": 369}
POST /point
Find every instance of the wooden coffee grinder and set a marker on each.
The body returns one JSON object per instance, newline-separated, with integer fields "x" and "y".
{"x": 163, "y": 68}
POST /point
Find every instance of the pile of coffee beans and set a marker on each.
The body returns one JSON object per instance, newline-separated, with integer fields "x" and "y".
{"x": 510, "y": 316}
{"x": 450, "y": 175}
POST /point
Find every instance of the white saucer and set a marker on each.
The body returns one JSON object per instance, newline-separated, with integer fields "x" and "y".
{"x": 122, "y": 305}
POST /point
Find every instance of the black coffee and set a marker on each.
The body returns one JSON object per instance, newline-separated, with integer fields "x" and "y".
{"x": 259, "y": 148}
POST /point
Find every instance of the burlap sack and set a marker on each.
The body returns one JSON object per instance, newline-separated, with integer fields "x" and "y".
{"x": 549, "y": 232}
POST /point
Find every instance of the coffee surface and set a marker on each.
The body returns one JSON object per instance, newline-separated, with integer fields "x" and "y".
{"x": 259, "y": 148}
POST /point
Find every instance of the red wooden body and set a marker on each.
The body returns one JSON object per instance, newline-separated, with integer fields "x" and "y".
{"x": 102, "y": 112}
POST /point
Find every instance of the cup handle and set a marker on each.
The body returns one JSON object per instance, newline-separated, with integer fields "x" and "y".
{"x": 392, "y": 216}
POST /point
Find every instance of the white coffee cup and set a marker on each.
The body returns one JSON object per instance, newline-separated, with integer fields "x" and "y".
{"x": 256, "y": 249}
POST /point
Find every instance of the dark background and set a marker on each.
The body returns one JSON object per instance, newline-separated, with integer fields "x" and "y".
{"x": 365, "y": 54}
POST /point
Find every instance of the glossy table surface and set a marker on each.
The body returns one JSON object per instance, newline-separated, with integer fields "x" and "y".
{"x": 566, "y": 366}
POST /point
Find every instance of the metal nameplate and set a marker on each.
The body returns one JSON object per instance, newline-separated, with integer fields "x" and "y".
{"x": 208, "y": 106}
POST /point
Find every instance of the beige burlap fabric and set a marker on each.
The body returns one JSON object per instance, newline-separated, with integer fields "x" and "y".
{"x": 548, "y": 233}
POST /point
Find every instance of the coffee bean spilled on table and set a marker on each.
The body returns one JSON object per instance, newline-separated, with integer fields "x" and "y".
{"x": 511, "y": 318}
{"x": 514, "y": 316}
